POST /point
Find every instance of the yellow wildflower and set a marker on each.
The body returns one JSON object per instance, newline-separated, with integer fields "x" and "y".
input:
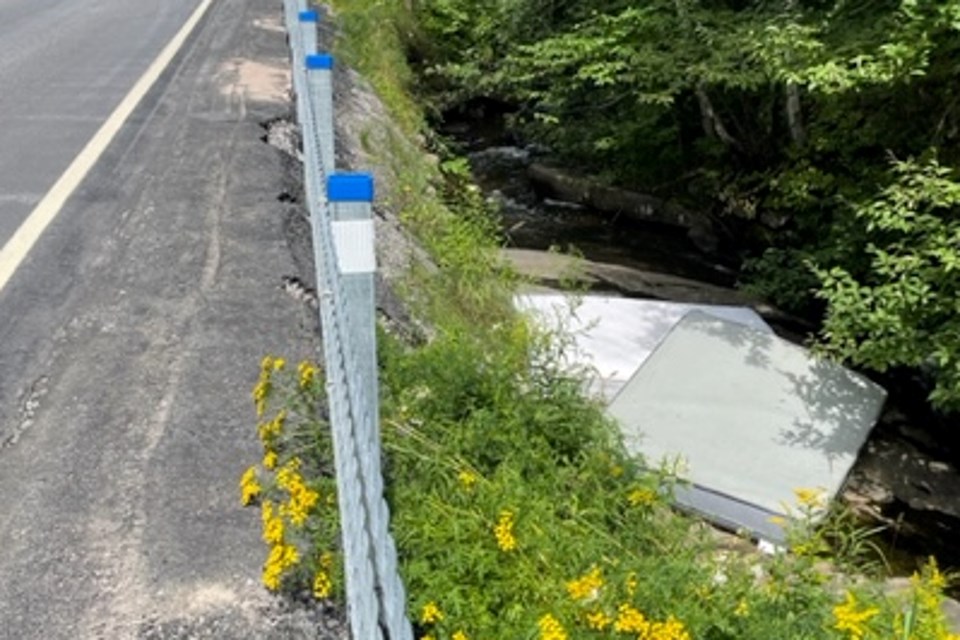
{"x": 934, "y": 578}
{"x": 467, "y": 479}
{"x": 428, "y": 637}
{"x": 261, "y": 390}
{"x": 270, "y": 460}
{"x": 810, "y": 498}
{"x": 269, "y": 431}
{"x": 326, "y": 560}
{"x": 289, "y": 474}
{"x": 302, "y": 498}
{"x": 551, "y": 629}
{"x": 670, "y": 629}
{"x": 459, "y": 635}
{"x": 642, "y": 496}
{"x": 504, "y": 531}
{"x": 260, "y": 393}
{"x": 848, "y": 617}
{"x": 586, "y": 586}
{"x": 272, "y": 524}
{"x": 431, "y": 613}
{"x": 631, "y": 584}
{"x": 322, "y": 585}
{"x": 743, "y": 609}
{"x": 249, "y": 487}
{"x": 281, "y": 558}
{"x": 308, "y": 373}
{"x": 630, "y": 620}
{"x": 279, "y": 364}
{"x": 598, "y": 620}
{"x": 616, "y": 471}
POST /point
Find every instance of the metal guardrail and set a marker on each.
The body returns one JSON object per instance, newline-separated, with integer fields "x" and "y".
{"x": 343, "y": 241}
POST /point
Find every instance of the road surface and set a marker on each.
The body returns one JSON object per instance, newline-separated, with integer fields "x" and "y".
{"x": 64, "y": 66}
{"x": 131, "y": 334}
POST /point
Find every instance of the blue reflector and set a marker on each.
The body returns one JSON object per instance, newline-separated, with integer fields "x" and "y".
{"x": 350, "y": 187}
{"x": 308, "y": 16}
{"x": 319, "y": 61}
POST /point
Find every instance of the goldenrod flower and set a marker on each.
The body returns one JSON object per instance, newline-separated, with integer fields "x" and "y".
{"x": 598, "y": 620}
{"x": 467, "y": 479}
{"x": 322, "y": 585}
{"x": 270, "y": 460}
{"x": 551, "y": 629}
{"x": 586, "y": 586}
{"x": 270, "y": 431}
{"x": 302, "y": 498}
{"x": 630, "y": 620}
{"x": 431, "y": 613}
{"x": 743, "y": 609}
{"x": 934, "y": 578}
{"x": 308, "y": 373}
{"x": 810, "y": 498}
{"x": 249, "y": 487}
{"x": 281, "y": 558}
{"x": 848, "y": 617}
{"x": 289, "y": 474}
{"x": 260, "y": 393}
{"x": 261, "y": 390}
{"x": 504, "y": 532}
{"x": 272, "y": 524}
{"x": 642, "y": 496}
{"x": 670, "y": 629}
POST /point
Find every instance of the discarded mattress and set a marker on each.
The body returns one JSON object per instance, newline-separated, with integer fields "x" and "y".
{"x": 753, "y": 416}
{"x": 614, "y": 336}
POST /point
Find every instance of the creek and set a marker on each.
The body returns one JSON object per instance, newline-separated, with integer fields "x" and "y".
{"x": 907, "y": 477}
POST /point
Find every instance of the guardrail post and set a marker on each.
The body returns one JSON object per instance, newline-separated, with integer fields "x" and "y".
{"x": 308, "y": 28}
{"x": 320, "y": 81}
{"x": 351, "y": 197}
{"x": 343, "y": 236}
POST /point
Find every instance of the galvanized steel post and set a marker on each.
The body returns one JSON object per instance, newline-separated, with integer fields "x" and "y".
{"x": 343, "y": 237}
{"x": 308, "y": 28}
{"x": 320, "y": 81}
{"x": 351, "y": 198}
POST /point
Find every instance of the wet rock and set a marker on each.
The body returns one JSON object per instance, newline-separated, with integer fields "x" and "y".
{"x": 559, "y": 184}
{"x": 900, "y": 485}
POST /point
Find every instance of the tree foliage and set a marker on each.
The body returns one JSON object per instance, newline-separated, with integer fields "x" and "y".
{"x": 779, "y": 117}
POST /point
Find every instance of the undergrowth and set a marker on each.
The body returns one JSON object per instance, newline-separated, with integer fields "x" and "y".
{"x": 516, "y": 512}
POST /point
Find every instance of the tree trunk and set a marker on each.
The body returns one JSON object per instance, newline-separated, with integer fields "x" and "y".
{"x": 794, "y": 115}
{"x": 712, "y": 124}
{"x": 794, "y": 111}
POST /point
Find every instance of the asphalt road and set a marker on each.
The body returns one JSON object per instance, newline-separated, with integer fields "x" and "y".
{"x": 64, "y": 66}
{"x": 131, "y": 335}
